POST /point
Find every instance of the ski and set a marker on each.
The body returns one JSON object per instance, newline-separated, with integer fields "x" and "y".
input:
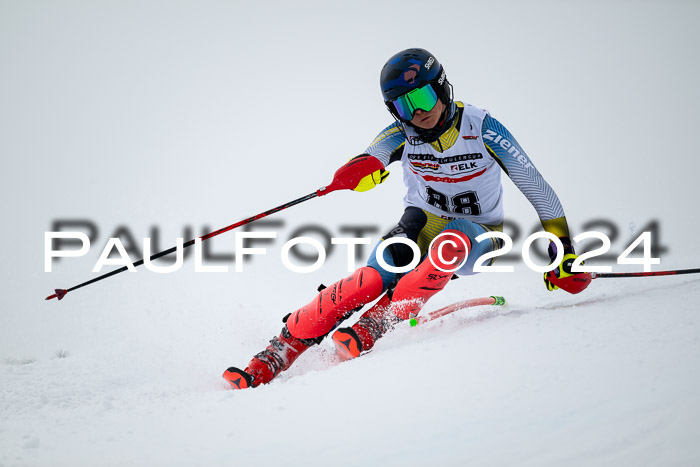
{"x": 493, "y": 300}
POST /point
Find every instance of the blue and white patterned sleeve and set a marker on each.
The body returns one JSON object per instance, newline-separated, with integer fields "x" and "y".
{"x": 388, "y": 145}
{"x": 517, "y": 165}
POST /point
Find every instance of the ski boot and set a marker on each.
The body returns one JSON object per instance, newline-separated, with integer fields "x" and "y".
{"x": 277, "y": 357}
{"x": 351, "y": 341}
{"x": 308, "y": 326}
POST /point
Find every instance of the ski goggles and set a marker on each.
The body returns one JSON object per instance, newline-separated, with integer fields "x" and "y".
{"x": 423, "y": 98}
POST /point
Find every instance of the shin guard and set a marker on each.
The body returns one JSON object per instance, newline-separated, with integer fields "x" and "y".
{"x": 409, "y": 296}
{"x": 447, "y": 252}
{"x": 321, "y": 315}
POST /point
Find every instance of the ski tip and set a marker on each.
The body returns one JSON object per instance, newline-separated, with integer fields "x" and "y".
{"x": 498, "y": 300}
{"x": 60, "y": 293}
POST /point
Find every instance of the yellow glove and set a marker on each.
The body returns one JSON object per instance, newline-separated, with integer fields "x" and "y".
{"x": 370, "y": 181}
{"x": 361, "y": 173}
{"x": 560, "y": 272}
{"x": 561, "y": 277}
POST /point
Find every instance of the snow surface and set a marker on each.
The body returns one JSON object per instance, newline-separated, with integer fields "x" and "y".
{"x": 606, "y": 378}
{"x": 143, "y": 115}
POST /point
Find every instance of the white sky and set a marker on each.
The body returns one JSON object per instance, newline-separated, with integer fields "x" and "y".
{"x": 171, "y": 114}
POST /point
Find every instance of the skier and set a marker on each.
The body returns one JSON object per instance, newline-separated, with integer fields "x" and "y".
{"x": 452, "y": 155}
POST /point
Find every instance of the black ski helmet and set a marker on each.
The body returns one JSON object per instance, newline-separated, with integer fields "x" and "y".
{"x": 411, "y": 69}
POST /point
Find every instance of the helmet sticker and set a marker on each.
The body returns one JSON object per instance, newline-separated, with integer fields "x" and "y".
{"x": 410, "y": 75}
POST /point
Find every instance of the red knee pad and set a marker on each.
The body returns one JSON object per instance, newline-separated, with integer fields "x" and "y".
{"x": 446, "y": 255}
{"x": 320, "y": 316}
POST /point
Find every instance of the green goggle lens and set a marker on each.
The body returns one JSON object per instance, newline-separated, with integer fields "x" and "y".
{"x": 423, "y": 98}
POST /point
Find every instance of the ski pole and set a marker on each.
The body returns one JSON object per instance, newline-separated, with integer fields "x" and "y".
{"x": 60, "y": 293}
{"x": 675, "y": 272}
{"x": 493, "y": 300}
{"x": 345, "y": 178}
